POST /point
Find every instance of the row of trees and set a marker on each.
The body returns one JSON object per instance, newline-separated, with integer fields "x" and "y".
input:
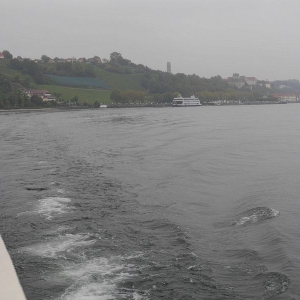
{"x": 117, "y": 64}
{"x": 19, "y": 100}
{"x": 128, "y": 96}
{"x": 11, "y": 97}
{"x": 75, "y": 69}
{"x": 15, "y": 99}
{"x": 39, "y": 71}
{"x": 162, "y": 82}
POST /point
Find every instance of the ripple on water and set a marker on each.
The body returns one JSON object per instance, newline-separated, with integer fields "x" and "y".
{"x": 274, "y": 283}
{"x": 256, "y": 215}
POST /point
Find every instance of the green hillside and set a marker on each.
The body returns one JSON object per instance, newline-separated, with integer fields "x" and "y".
{"x": 120, "y": 81}
{"x": 85, "y": 82}
{"x": 8, "y": 72}
{"x": 69, "y": 87}
{"x": 84, "y": 95}
{"x": 91, "y": 80}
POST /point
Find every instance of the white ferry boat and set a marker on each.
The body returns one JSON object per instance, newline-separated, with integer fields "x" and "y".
{"x": 180, "y": 101}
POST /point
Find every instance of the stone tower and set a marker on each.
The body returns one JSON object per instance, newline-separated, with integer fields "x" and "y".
{"x": 169, "y": 67}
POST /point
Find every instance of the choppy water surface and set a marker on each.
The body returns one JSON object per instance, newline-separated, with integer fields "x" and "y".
{"x": 153, "y": 203}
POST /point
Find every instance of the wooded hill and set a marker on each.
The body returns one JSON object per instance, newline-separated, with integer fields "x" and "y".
{"x": 93, "y": 80}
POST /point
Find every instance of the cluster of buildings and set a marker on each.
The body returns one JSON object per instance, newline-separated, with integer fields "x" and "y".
{"x": 237, "y": 81}
{"x": 286, "y": 97}
{"x": 95, "y": 59}
{"x": 44, "y": 94}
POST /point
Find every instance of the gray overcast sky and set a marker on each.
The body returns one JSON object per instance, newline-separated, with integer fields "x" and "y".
{"x": 206, "y": 37}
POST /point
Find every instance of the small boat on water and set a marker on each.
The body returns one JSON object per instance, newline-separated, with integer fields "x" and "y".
{"x": 180, "y": 101}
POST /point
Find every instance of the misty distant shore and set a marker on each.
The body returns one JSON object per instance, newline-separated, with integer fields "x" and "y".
{"x": 78, "y": 107}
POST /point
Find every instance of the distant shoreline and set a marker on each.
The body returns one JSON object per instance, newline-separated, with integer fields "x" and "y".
{"x": 28, "y": 109}
{"x": 66, "y": 108}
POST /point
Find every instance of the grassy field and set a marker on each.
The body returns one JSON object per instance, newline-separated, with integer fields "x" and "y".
{"x": 8, "y": 72}
{"x": 89, "y": 95}
{"x": 120, "y": 81}
{"x": 84, "y": 95}
{"x": 83, "y": 82}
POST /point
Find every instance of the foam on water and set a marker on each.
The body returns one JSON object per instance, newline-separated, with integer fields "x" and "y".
{"x": 275, "y": 283}
{"x": 43, "y": 164}
{"x": 60, "y": 191}
{"x": 256, "y": 215}
{"x": 53, "y": 206}
{"x": 89, "y": 291}
{"x": 59, "y": 246}
{"x": 98, "y": 279}
{"x": 58, "y": 229}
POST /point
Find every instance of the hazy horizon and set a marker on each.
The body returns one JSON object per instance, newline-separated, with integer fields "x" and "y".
{"x": 207, "y": 37}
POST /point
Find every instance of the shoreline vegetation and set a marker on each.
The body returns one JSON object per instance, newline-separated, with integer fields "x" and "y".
{"x": 114, "y": 106}
{"x": 118, "y": 82}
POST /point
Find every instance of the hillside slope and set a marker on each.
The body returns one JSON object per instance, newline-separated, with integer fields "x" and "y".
{"x": 67, "y": 92}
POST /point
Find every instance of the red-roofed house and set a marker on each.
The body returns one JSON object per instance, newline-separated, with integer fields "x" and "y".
{"x": 44, "y": 94}
{"x": 1, "y": 55}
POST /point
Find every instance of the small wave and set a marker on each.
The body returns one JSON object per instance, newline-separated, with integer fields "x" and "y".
{"x": 59, "y": 229}
{"x": 60, "y": 191}
{"x": 274, "y": 283}
{"x": 52, "y": 206}
{"x": 59, "y": 246}
{"x": 256, "y": 215}
{"x": 246, "y": 268}
{"x": 98, "y": 278}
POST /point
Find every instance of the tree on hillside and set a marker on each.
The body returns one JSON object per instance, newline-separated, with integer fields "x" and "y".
{"x": 26, "y": 82}
{"x": 7, "y": 54}
{"x": 97, "y": 60}
{"x": 15, "y": 64}
{"x": 158, "y": 98}
{"x": 5, "y": 85}
{"x": 96, "y": 104}
{"x": 36, "y": 100}
{"x": 75, "y": 99}
{"x": 130, "y": 96}
{"x": 39, "y": 78}
{"x": 45, "y": 58}
{"x": 114, "y": 57}
{"x": 116, "y": 96}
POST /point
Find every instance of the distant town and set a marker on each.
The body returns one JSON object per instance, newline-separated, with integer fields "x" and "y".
{"x": 92, "y": 82}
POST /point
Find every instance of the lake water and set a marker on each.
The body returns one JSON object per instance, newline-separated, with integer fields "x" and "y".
{"x": 153, "y": 203}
